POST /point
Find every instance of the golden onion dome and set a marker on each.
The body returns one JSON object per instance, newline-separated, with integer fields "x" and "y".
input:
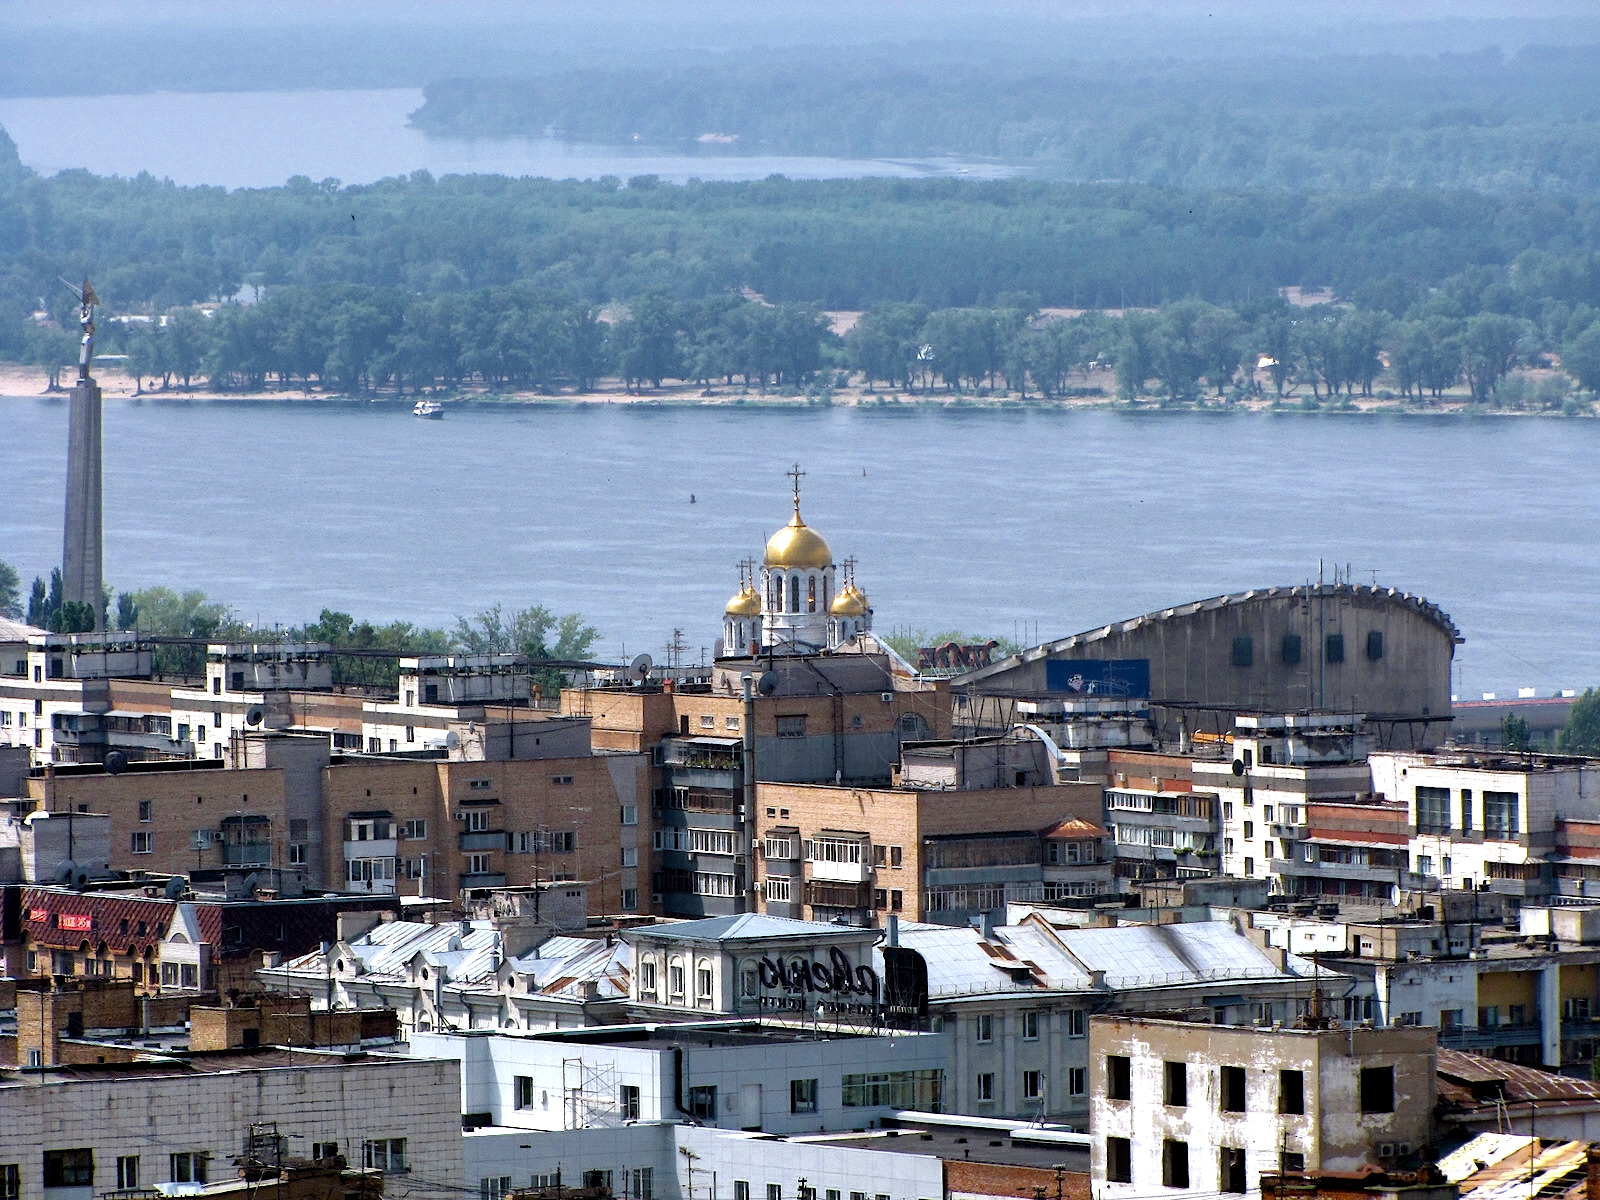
{"x": 850, "y": 602}
{"x": 797, "y": 545}
{"x": 746, "y": 604}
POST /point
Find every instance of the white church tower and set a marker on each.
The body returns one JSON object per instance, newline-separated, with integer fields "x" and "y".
{"x": 793, "y": 606}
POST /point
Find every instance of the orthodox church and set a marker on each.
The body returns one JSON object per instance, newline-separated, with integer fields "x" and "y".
{"x": 790, "y": 604}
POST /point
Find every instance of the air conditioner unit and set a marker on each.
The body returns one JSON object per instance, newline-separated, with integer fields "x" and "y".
{"x": 886, "y": 697}
{"x": 655, "y": 897}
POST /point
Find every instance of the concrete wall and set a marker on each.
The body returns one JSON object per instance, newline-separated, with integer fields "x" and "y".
{"x": 1190, "y": 650}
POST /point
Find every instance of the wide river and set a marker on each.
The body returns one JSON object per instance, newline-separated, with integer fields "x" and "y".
{"x": 988, "y": 521}
{"x": 260, "y": 139}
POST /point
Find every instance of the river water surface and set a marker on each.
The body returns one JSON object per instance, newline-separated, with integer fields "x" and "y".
{"x": 990, "y": 521}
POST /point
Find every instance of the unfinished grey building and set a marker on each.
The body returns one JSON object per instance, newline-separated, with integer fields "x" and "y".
{"x": 1323, "y": 647}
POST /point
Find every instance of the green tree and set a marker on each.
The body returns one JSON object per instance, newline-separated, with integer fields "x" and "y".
{"x": 1488, "y": 350}
{"x": 1580, "y": 358}
{"x": 1514, "y": 732}
{"x": 647, "y": 341}
{"x": 1581, "y": 734}
{"x": 10, "y": 592}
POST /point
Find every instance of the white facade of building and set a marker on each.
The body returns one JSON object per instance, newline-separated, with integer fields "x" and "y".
{"x": 722, "y": 1074}
{"x": 152, "y": 1122}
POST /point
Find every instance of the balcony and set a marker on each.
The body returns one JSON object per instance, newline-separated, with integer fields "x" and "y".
{"x": 1488, "y": 1037}
{"x": 841, "y": 872}
{"x": 1288, "y": 830}
{"x": 483, "y": 880}
{"x": 379, "y": 848}
{"x": 484, "y": 839}
{"x": 247, "y": 854}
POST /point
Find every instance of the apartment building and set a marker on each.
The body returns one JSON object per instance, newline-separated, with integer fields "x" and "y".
{"x": 856, "y": 854}
{"x": 1198, "y": 1110}
{"x": 1278, "y": 765}
{"x": 1495, "y": 819}
{"x": 428, "y": 826}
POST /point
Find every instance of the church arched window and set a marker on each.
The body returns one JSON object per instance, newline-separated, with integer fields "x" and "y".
{"x": 794, "y": 593}
{"x": 775, "y": 592}
{"x": 811, "y": 593}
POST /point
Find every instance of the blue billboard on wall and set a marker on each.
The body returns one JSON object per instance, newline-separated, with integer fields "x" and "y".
{"x": 1099, "y": 677}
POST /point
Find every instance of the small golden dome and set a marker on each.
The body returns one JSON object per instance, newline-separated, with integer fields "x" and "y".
{"x": 746, "y": 604}
{"x": 850, "y": 602}
{"x": 798, "y": 545}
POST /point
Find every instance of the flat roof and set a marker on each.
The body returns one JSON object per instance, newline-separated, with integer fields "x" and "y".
{"x": 962, "y": 1143}
{"x": 751, "y": 1033}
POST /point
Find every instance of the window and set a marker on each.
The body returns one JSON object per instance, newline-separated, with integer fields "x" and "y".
{"x": 1249, "y": 867}
{"x": 1249, "y": 830}
{"x": 778, "y": 888}
{"x": 1449, "y": 866}
{"x": 896, "y": 856}
{"x": 1243, "y": 652}
{"x": 11, "y": 1181}
{"x": 1500, "y": 815}
{"x": 69, "y": 1168}
{"x": 1292, "y": 1161}
{"x": 1291, "y": 649}
{"x": 707, "y": 721}
{"x": 384, "y": 1154}
{"x": 802, "y": 1095}
{"x": 897, "y": 899}
{"x": 1175, "y": 1164}
{"x": 1425, "y": 864}
{"x": 1233, "y": 1089}
{"x": 478, "y": 864}
{"x": 1077, "y": 1080}
{"x": 1333, "y": 648}
{"x": 144, "y": 810}
{"x": 792, "y": 727}
{"x": 494, "y": 1187}
{"x": 643, "y": 1183}
{"x": 480, "y": 785}
{"x": 675, "y": 979}
{"x": 1030, "y": 1025}
{"x": 1175, "y": 1081}
{"x": 598, "y": 1179}
{"x": 561, "y": 780}
{"x": 477, "y": 820}
{"x": 127, "y": 1173}
{"x": 703, "y": 1102}
{"x": 297, "y": 854}
{"x": 1291, "y": 1092}
{"x": 522, "y": 1086}
{"x": 629, "y": 1103}
{"x": 741, "y": 1189}
{"x": 711, "y": 841}
{"x": 780, "y": 848}
{"x": 1231, "y": 1174}
{"x": 919, "y": 1090}
{"x": 703, "y": 983}
{"x": 774, "y": 1191}
{"x": 1119, "y": 1160}
{"x": 647, "y": 975}
{"x": 414, "y": 831}
{"x": 141, "y": 842}
{"x": 1377, "y": 1089}
{"x": 1119, "y": 1077}
{"x": 1374, "y": 645}
{"x": 1433, "y": 810}
{"x": 189, "y": 1167}
{"x": 200, "y": 839}
{"x": 411, "y": 733}
{"x": 630, "y": 814}
{"x": 1032, "y": 1085}
{"x": 320, "y": 1150}
{"x": 1077, "y": 1023}
{"x": 983, "y": 1027}
{"x": 985, "y": 1086}
{"x": 630, "y": 899}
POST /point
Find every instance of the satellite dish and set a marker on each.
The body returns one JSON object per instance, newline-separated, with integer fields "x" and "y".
{"x": 452, "y": 740}
{"x": 255, "y": 715}
{"x": 116, "y": 762}
{"x": 1238, "y": 766}
{"x": 176, "y": 886}
{"x": 65, "y": 871}
{"x": 768, "y": 683}
{"x": 640, "y": 667}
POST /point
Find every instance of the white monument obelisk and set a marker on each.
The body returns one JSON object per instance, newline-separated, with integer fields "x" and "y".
{"x": 82, "y": 568}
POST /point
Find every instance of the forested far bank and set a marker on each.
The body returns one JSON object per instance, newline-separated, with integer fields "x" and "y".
{"x": 1246, "y": 120}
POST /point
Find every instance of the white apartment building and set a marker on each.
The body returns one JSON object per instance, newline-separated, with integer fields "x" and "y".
{"x": 1278, "y": 765}
{"x": 1488, "y": 818}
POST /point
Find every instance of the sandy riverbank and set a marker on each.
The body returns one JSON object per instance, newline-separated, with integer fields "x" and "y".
{"x": 1097, "y": 389}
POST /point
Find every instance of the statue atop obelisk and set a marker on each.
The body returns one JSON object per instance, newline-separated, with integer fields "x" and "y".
{"x": 81, "y": 554}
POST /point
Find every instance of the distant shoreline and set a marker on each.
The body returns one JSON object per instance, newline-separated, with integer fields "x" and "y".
{"x": 19, "y": 382}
